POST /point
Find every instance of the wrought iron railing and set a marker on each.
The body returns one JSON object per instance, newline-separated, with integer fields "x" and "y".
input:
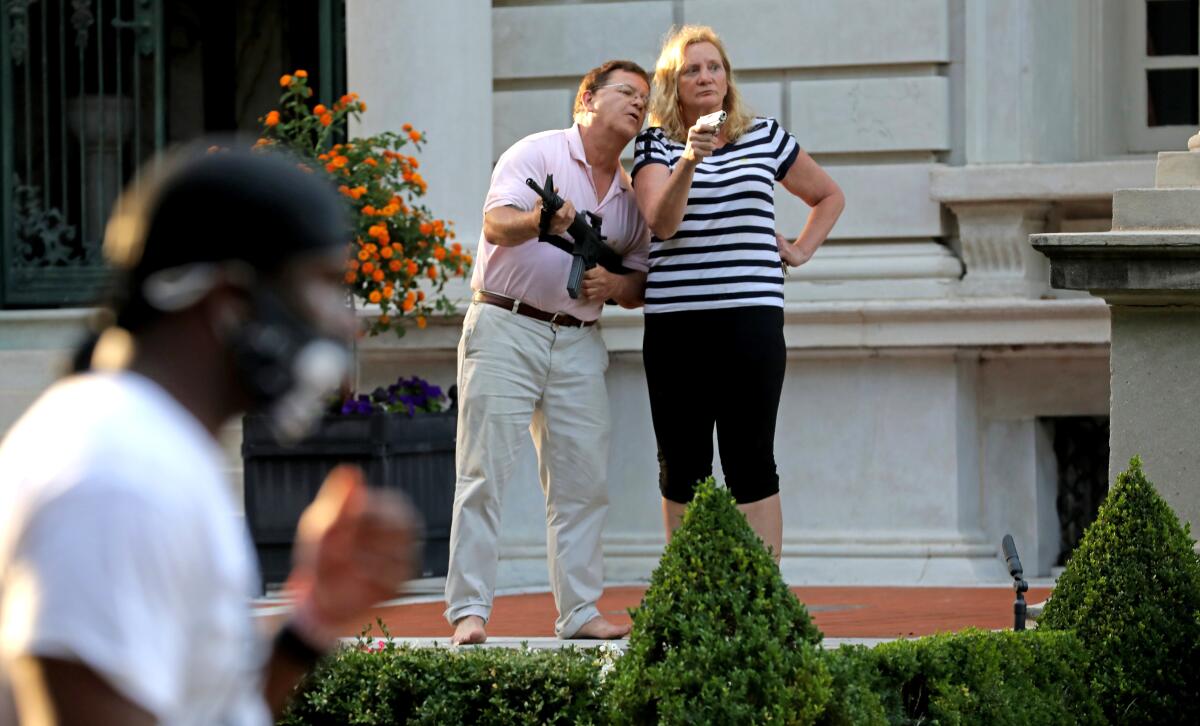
{"x": 82, "y": 95}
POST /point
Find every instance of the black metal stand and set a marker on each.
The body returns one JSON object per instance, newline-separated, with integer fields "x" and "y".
{"x": 1019, "y": 584}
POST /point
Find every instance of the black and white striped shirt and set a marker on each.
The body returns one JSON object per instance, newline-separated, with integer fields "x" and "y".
{"x": 724, "y": 253}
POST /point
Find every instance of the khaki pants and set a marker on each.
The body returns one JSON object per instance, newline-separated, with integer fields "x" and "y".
{"x": 517, "y": 374}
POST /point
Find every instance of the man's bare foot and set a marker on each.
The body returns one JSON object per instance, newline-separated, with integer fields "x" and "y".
{"x": 600, "y": 629}
{"x": 469, "y": 631}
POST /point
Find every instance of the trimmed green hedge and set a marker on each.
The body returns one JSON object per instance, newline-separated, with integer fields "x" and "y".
{"x": 1131, "y": 592}
{"x": 972, "y": 677}
{"x": 1035, "y": 677}
{"x": 719, "y": 638}
{"x": 403, "y": 685}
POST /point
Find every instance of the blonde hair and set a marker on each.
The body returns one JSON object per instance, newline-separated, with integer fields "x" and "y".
{"x": 665, "y": 110}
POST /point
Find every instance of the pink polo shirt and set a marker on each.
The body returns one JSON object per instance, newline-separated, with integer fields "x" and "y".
{"x": 536, "y": 272}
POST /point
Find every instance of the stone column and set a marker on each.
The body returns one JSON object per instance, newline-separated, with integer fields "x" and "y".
{"x": 430, "y": 64}
{"x": 1148, "y": 270}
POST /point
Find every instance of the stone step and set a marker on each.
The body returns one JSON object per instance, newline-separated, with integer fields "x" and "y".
{"x": 1177, "y": 169}
{"x": 1151, "y": 209}
{"x": 543, "y": 643}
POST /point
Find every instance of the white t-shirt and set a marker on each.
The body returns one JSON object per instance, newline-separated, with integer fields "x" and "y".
{"x": 119, "y": 549}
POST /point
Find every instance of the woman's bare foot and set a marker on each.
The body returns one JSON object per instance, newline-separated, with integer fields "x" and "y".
{"x": 469, "y": 631}
{"x": 600, "y": 629}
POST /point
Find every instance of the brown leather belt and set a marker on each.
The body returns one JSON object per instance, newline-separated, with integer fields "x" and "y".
{"x": 520, "y": 308}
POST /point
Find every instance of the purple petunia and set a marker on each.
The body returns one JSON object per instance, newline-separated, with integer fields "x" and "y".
{"x": 407, "y": 396}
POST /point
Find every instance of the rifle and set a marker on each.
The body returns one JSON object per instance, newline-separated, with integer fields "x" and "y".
{"x": 586, "y": 246}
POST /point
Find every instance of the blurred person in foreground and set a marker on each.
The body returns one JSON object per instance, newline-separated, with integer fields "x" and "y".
{"x": 125, "y": 578}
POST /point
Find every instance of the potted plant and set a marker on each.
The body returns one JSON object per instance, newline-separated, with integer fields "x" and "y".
{"x": 403, "y": 438}
{"x": 399, "y": 258}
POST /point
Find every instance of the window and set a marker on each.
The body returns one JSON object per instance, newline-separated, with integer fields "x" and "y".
{"x": 1164, "y": 49}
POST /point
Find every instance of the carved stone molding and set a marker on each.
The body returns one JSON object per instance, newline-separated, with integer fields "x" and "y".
{"x": 995, "y": 248}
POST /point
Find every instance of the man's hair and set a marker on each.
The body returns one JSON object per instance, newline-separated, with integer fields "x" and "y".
{"x": 665, "y": 111}
{"x": 598, "y": 76}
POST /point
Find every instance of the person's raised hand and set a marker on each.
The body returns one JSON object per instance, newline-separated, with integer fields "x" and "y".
{"x": 354, "y": 547}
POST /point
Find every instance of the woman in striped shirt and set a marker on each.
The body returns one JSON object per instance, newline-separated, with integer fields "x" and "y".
{"x": 713, "y": 348}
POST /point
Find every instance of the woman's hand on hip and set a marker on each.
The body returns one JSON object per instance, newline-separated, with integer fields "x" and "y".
{"x": 790, "y": 252}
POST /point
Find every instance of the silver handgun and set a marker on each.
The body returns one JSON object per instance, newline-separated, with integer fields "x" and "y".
{"x": 714, "y": 119}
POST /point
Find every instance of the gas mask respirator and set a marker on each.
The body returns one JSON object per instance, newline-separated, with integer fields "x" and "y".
{"x": 285, "y": 363}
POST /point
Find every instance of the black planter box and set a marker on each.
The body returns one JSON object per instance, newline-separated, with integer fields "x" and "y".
{"x": 414, "y": 455}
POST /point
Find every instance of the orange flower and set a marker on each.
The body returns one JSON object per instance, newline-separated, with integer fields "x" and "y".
{"x": 368, "y": 267}
{"x": 368, "y": 211}
{"x": 414, "y": 135}
{"x": 456, "y": 247}
{"x": 431, "y": 272}
{"x": 407, "y": 306}
{"x": 388, "y": 291}
{"x": 377, "y": 275}
{"x": 272, "y": 118}
{"x": 394, "y": 265}
{"x": 439, "y": 253}
{"x": 411, "y": 268}
{"x": 362, "y": 106}
{"x": 426, "y": 228}
{"x": 351, "y": 264}
{"x": 421, "y": 322}
{"x": 420, "y": 295}
{"x": 301, "y": 73}
{"x": 339, "y": 161}
{"x": 407, "y": 127}
{"x": 351, "y": 276}
{"x": 285, "y": 81}
{"x": 386, "y": 252}
{"x": 319, "y": 109}
{"x": 262, "y": 142}
{"x": 326, "y": 119}
{"x": 410, "y": 296}
{"x": 370, "y": 161}
{"x": 364, "y": 255}
{"x": 374, "y": 297}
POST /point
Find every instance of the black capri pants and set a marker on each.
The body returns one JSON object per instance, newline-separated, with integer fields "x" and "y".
{"x": 721, "y": 367}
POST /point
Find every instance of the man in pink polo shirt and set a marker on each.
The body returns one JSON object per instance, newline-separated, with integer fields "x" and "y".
{"x": 531, "y": 359}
